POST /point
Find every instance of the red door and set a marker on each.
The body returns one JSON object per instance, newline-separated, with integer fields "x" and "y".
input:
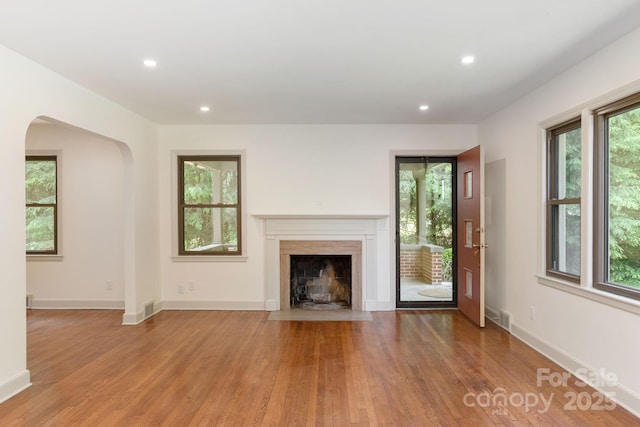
{"x": 471, "y": 245}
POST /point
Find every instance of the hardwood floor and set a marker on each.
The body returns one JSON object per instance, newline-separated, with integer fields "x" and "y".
{"x": 408, "y": 368}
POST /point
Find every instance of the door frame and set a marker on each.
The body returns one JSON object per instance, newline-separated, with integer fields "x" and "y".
{"x": 396, "y": 160}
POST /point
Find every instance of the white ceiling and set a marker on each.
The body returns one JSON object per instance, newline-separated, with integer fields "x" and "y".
{"x": 306, "y": 61}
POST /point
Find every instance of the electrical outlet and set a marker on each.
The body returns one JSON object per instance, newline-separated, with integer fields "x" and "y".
{"x": 181, "y": 289}
{"x": 532, "y": 312}
{"x": 192, "y": 286}
{"x": 108, "y": 285}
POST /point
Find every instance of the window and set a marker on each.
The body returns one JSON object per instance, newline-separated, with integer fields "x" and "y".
{"x": 564, "y": 150}
{"x": 42, "y": 205}
{"x": 617, "y": 214}
{"x": 209, "y": 211}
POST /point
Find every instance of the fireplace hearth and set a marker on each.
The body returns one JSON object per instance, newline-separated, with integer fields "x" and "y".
{"x": 320, "y": 282}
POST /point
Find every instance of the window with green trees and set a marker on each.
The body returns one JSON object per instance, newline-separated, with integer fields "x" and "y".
{"x": 564, "y": 150}
{"x": 209, "y": 211}
{"x": 41, "y": 204}
{"x": 617, "y": 218}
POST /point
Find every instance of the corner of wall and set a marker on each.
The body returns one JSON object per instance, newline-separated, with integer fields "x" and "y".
{"x": 15, "y": 385}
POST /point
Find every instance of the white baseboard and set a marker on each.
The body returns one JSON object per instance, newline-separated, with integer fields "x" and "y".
{"x": 132, "y": 319}
{"x": 492, "y": 314}
{"x": 213, "y": 305}
{"x": 623, "y": 396}
{"x": 380, "y": 305}
{"x": 369, "y": 305}
{"x": 51, "y": 304}
{"x": 15, "y": 385}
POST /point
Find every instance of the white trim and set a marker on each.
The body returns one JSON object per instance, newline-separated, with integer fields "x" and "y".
{"x": 209, "y": 258}
{"x": 129, "y": 319}
{"x": 44, "y": 257}
{"x": 365, "y": 229}
{"x": 51, "y": 304}
{"x": 587, "y": 199}
{"x": 374, "y": 305}
{"x": 592, "y": 104}
{"x": 213, "y": 305}
{"x": 14, "y": 385}
{"x": 608, "y": 298}
{"x": 619, "y": 393}
{"x": 492, "y": 314}
{"x": 327, "y": 216}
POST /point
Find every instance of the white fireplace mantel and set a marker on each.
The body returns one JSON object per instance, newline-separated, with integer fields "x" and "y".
{"x": 362, "y": 227}
{"x": 322, "y": 216}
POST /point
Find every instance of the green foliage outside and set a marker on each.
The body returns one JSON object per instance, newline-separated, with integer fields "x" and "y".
{"x": 439, "y": 205}
{"x": 438, "y": 229}
{"x": 40, "y": 185}
{"x": 199, "y": 221}
{"x": 568, "y": 157}
{"x": 408, "y": 205}
{"x": 447, "y": 265}
{"x": 438, "y": 180}
{"x": 624, "y": 198}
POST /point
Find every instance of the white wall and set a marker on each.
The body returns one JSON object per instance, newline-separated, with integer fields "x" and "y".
{"x": 572, "y": 329}
{"x": 91, "y": 223}
{"x": 290, "y": 169}
{"x": 29, "y": 91}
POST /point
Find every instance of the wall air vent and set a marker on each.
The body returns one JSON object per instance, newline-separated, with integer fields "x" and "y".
{"x": 505, "y": 320}
{"x": 148, "y": 310}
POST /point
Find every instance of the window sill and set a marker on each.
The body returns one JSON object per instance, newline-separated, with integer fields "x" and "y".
{"x": 209, "y": 258}
{"x": 607, "y": 298}
{"x": 57, "y": 257}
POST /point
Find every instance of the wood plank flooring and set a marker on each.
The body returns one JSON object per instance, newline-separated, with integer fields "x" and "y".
{"x": 207, "y": 368}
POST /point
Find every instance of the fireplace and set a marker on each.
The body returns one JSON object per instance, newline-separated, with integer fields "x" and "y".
{"x": 307, "y": 258}
{"x": 340, "y": 234}
{"x": 320, "y": 282}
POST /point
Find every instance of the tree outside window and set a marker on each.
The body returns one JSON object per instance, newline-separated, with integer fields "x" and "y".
{"x": 41, "y": 204}
{"x": 618, "y": 213}
{"x": 563, "y": 201}
{"x": 209, "y": 207}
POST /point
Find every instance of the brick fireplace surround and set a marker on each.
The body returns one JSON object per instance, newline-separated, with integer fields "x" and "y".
{"x": 355, "y": 235}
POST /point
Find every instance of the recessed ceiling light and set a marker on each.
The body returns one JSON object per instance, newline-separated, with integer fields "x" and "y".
{"x": 150, "y": 63}
{"x": 205, "y": 108}
{"x": 469, "y": 59}
{"x": 424, "y": 107}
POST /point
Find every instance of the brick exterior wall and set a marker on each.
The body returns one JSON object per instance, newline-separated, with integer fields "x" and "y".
{"x": 410, "y": 263}
{"x": 421, "y": 261}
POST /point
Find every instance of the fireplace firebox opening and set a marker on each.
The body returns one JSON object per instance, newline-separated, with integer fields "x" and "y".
{"x": 324, "y": 249}
{"x": 320, "y": 282}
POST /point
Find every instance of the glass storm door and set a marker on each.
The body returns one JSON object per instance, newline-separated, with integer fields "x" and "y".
{"x": 425, "y": 232}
